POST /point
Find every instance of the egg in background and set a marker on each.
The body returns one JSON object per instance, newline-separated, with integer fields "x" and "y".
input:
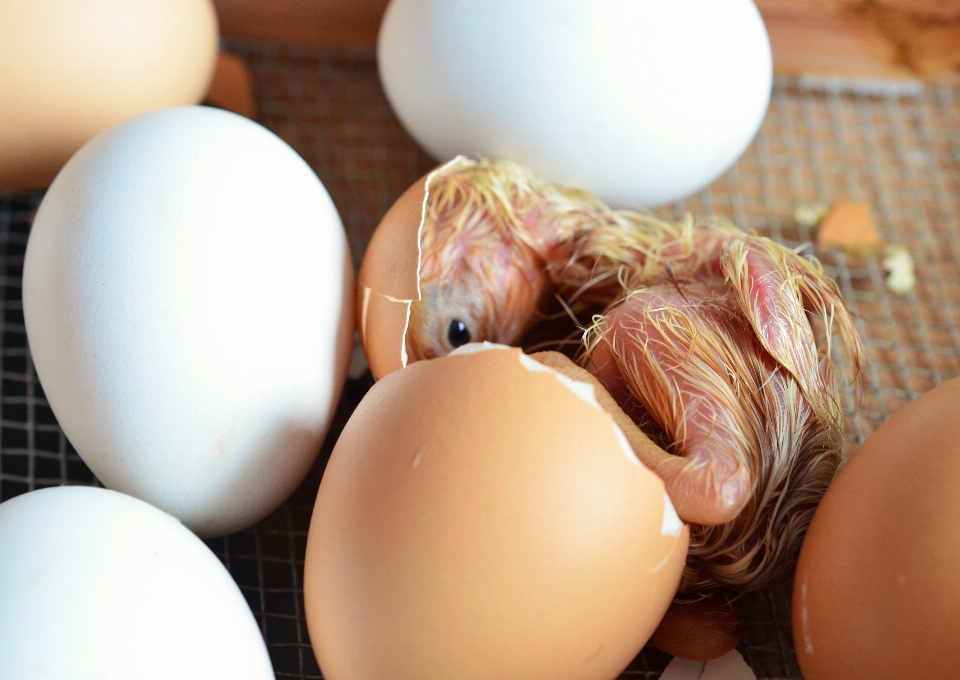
{"x": 70, "y": 69}
{"x": 481, "y": 516}
{"x": 877, "y": 588}
{"x": 638, "y": 101}
{"x": 188, "y": 301}
{"x": 96, "y": 584}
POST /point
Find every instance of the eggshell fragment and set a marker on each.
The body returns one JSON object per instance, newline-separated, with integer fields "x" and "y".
{"x": 389, "y": 278}
{"x": 683, "y": 669}
{"x": 730, "y": 666}
{"x": 849, "y": 226}
{"x": 392, "y": 259}
{"x": 480, "y": 516}
{"x": 388, "y": 281}
{"x": 877, "y": 589}
{"x": 898, "y": 264}
{"x": 97, "y": 584}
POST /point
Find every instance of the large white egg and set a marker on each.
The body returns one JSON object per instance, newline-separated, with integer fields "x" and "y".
{"x": 639, "y": 101}
{"x": 187, "y": 294}
{"x": 96, "y": 584}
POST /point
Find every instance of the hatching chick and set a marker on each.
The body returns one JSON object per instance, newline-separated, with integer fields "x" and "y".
{"x": 707, "y": 344}
{"x": 686, "y": 364}
{"x": 493, "y": 244}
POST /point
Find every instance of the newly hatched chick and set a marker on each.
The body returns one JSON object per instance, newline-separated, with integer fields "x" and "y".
{"x": 706, "y": 341}
{"x": 491, "y": 232}
{"x": 752, "y": 447}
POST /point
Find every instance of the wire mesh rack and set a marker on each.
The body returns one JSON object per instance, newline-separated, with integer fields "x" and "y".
{"x": 895, "y": 149}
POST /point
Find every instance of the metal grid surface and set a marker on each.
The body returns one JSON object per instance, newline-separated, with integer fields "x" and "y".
{"x": 897, "y": 151}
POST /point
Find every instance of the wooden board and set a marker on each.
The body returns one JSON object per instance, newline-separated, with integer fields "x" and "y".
{"x": 873, "y": 39}
{"x": 312, "y": 22}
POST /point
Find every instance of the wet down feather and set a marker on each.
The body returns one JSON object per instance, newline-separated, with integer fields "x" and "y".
{"x": 719, "y": 345}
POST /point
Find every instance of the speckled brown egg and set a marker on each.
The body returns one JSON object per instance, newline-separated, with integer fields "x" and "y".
{"x": 481, "y": 516}
{"x": 877, "y": 588}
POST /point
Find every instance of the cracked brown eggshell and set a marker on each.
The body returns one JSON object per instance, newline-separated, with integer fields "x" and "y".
{"x": 481, "y": 516}
{"x": 877, "y": 588}
{"x": 389, "y": 278}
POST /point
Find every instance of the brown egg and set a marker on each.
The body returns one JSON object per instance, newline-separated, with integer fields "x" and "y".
{"x": 232, "y": 86}
{"x": 482, "y": 517}
{"x": 72, "y": 68}
{"x": 877, "y": 589}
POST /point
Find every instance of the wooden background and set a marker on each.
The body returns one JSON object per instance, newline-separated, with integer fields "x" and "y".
{"x": 871, "y": 39}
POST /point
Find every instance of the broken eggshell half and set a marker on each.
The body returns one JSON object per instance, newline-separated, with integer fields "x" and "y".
{"x": 389, "y": 279}
{"x": 482, "y": 515}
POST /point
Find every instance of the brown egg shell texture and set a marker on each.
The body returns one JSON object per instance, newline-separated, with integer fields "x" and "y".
{"x": 877, "y": 587}
{"x": 478, "y": 518}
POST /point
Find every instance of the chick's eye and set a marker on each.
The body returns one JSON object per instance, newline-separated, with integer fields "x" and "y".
{"x": 457, "y": 333}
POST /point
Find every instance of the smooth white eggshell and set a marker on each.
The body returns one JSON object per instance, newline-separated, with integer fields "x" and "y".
{"x": 638, "y": 101}
{"x": 96, "y": 584}
{"x": 186, "y": 292}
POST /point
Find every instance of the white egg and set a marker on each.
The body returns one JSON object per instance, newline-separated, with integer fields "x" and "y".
{"x": 639, "y": 101}
{"x": 96, "y": 584}
{"x": 187, "y": 292}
